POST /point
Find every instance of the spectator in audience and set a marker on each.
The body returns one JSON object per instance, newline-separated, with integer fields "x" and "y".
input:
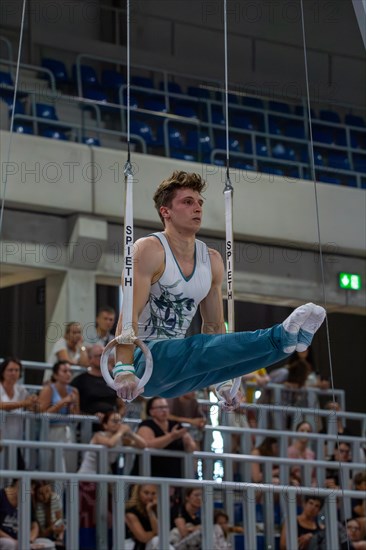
{"x": 354, "y": 535}
{"x": 314, "y": 379}
{"x": 161, "y": 433}
{"x": 359, "y": 505}
{"x": 300, "y": 450}
{"x": 61, "y": 398}
{"x": 341, "y": 429}
{"x": 95, "y": 396}
{"x": 307, "y": 523}
{"x": 69, "y": 348}
{"x": 100, "y": 333}
{"x": 14, "y": 397}
{"x": 268, "y": 447}
{"x": 187, "y": 409}
{"x": 114, "y": 434}
{"x": 48, "y": 513}
{"x": 342, "y": 453}
{"x": 293, "y": 377}
{"x": 258, "y": 377}
{"x": 9, "y": 524}
{"x": 222, "y": 530}
{"x": 186, "y": 520}
{"x": 141, "y": 519}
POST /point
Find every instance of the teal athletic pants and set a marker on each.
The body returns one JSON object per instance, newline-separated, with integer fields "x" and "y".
{"x": 189, "y": 364}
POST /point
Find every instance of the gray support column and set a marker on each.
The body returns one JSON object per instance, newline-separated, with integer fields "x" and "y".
{"x": 164, "y": 519}
{"x": 119, "y": 530}
{"x": 360, "y": 11}
{"x": 24, "y": 496}
{"x": 72, "y": 515}
{"x": 207, "y": 523}
{"x": 69, "y": 297}
{"x": 250, "y": 535}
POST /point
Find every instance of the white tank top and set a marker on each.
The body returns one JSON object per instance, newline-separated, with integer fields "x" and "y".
{"x": 174, "y": 298}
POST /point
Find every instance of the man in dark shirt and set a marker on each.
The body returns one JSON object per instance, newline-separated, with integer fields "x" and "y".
{"x": 95, "y": 396}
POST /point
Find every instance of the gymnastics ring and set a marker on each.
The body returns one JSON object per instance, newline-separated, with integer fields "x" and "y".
{"x": 148, "y": 363}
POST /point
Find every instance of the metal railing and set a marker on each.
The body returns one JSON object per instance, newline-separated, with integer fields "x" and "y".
{"x": 243, "y": 492}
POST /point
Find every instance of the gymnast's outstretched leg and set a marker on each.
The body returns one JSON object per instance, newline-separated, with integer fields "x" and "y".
{"x": 204, "y": 360}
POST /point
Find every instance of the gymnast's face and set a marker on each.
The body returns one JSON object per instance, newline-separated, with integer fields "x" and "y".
{"x": 185, "y": 211}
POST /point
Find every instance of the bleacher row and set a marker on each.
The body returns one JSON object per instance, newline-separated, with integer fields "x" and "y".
{"x": 183, "y": 120}
{"x": 239, "y": 498}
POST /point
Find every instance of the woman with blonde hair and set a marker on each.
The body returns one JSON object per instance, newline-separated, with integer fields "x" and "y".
{"x": 141, "y": 519}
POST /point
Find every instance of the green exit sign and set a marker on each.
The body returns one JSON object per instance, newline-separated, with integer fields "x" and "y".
{"x": 350, "y": 281}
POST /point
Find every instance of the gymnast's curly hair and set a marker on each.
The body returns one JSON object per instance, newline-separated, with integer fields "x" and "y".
{"x": 178, "y": 180}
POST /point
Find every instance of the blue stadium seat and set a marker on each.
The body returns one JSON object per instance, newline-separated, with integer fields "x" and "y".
{"x": 329, "y": 179}
{"x": 217, "y": 115}
{"x": 182, "y": 156}
{"x": 134, "y": 100}
{"x": 95, "y": 94}
{"x": 184, "y": 110}
{"x": 338, "y": 160}
{"x": 272, "y": 170}
{"x": 46, "y": 111}
{"x": 243, "y": 121}
{"x": 173, "y": 87}
{"x": 323, "y": 134}
{"x": 359, "y": 163}
{"x": 54, "y": 134}
{"x": 88, "y": 76}
{"x": 6, "y": 79}
{"x": 153, "y": 104}
{"x": 253, "y": 102}
{"x": 261, "y": 148}
{"x": 240, "y": 165}
{"x": 57, "y": 68}
{"x": 340, "y": 137}
{"x": 301, "y": 111}
{"x": 18, "y": 107}
{"x": 220, "y": 143}
{"x": 274, "y": 126}
{"x": 318, "y": 157}
{"x": 279, "y": 107}
{"x": 294, "y": 172}
{"x": 354, "y": 120}
{"x": 296, "y": 130}
{"x": 142, "y": 81}
{"x": 112, "y": 79}
{"x": 281, "y": 151}
{"x": 329, "y": 116}
{"x": 358, "y": 139}
{"x": 196, "y": 91}
{"x": 48, "y": 114}
{"x": 21, "y": 128}
{"x": 176, "y": 138}
{"x": 350, "y": 181}
{"x": 143, "y": 130}
{"x": 198, "y": 142}
{"x": 100, "y": 96}
{"x": 111, "y": 82}
{"x": 233, "y": 99}
{"x": 91, "y": 141}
